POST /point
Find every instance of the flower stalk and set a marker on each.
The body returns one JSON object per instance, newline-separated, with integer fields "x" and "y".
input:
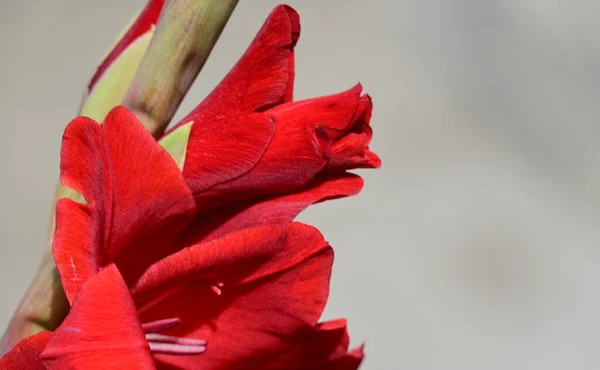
{"x": 184, "y": 38}
{"x": 43, "y": 306}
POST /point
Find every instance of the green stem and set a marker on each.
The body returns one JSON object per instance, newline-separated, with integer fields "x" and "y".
{"x": 42, "y": 308}
{"x": 184, "y": 38}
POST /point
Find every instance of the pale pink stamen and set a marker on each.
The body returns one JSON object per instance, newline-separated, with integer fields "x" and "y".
{"x": 168, "y": 344}
{"x": 217, "y": 288}
{"x": 176, "y": 349}
{"x": 175, "y": 340}
{"x": 160, "y": 325}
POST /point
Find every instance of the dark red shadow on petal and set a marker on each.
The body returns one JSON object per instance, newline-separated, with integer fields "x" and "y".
{"x": 278, "y": 209}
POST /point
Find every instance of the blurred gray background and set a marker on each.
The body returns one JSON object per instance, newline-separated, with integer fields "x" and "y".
{"x": 474, "y": 247}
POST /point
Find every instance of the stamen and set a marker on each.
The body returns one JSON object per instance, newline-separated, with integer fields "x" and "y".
{"x": 217, "y": 288}
{"x": 175, "y": 340}
{"x": 176, "y": 349}
{"x": 169, "y": 344}
{"x": 160, "y": 325}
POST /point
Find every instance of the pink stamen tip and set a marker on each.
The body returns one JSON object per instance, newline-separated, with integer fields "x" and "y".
{"x": 217, "y": 288}
{"x": 160, "y": 325}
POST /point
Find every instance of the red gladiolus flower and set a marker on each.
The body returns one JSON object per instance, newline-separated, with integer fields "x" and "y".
{"x": 249, "y": 295}
{"x": 267, "y": 294}
{"x": 254, "y": 157}
{"x": 203, "y": 267}
{"x": 252, "y": 298}
{"x": 250, "y": 140}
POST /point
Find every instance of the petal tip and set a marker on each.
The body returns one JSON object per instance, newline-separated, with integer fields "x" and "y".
{"x": 374, "y": 160}
{"x": 294, "y": 19}
{"x": 119, "y": 113}
{"x": 357, "y": 88}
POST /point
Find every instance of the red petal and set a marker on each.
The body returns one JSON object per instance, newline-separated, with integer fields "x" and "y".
{"x": 83, "y": 159}
{"x": 102, "y": 330}
{"x": 139, "y": 200}
{"x": 79, "y": 228}
{"x": 298, "y": 151}
{"x": 76, "y": 244}
{"x": 228, "y": 219}
{"x": 26, "y": 354}
{"x": 324, "y": 347}
{"x": 275, "y": 285}
{"x": 344, "y": 123}
{"x": 333, "y": 112}
{"x": 352, "y": 149}
{"x": 350, "y": 361}
{"x": 223, "y": 149}
{"x": 144, "y": 22}
{"x": 262, "y": 78}
{"x": 152, "y": 203}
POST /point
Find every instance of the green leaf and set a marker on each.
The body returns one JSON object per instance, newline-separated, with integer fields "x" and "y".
{"x": 176, "y": 142}
{"x": 65, "y": 192}
{"x": 112, "y": 86}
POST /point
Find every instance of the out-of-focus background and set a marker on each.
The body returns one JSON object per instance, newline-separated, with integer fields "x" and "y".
{"x": 476, "y": 246}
